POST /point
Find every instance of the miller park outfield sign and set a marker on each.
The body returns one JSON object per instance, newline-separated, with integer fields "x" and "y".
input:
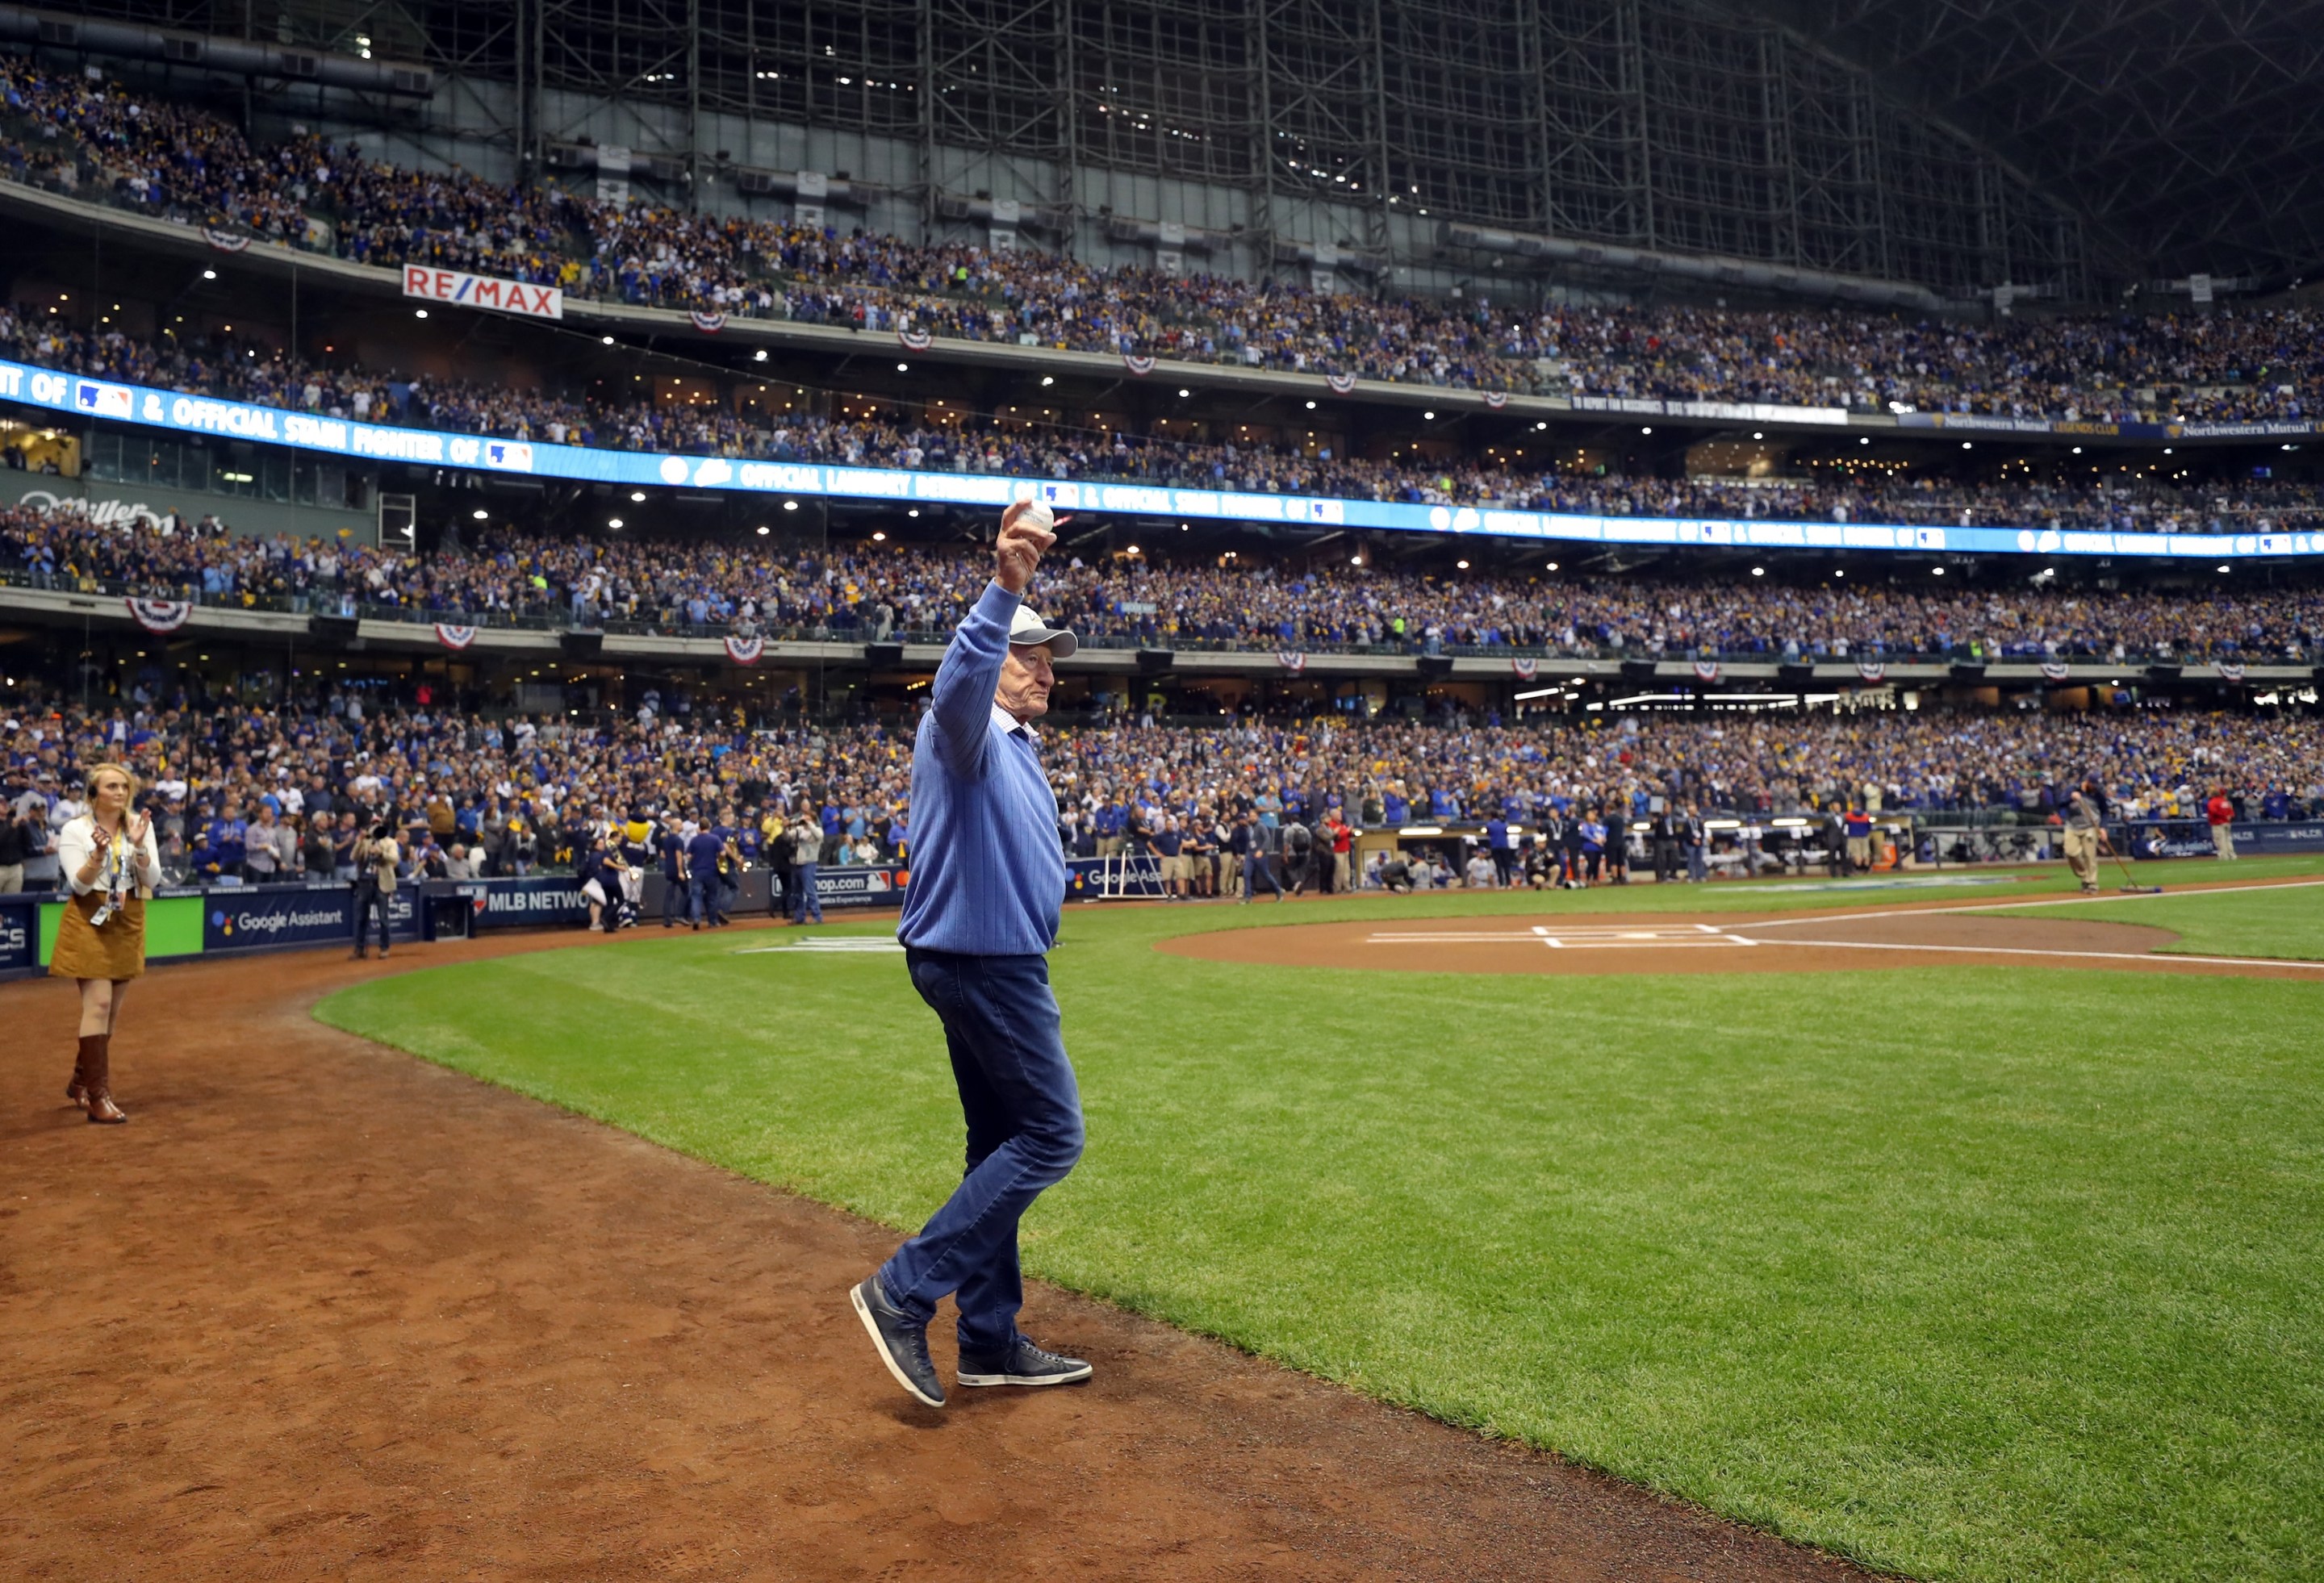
{"x": 459, "y": 289}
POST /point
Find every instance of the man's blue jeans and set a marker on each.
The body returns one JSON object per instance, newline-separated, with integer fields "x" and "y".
{"x": 1024, "y": 1113}
{"x": 807, "y": 900}
{"x": 702, "y": 898}
{"x": 1258, "y": 871}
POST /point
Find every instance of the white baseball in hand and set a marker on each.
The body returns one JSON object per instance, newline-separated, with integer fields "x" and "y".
{"x": 1037, "y": 516}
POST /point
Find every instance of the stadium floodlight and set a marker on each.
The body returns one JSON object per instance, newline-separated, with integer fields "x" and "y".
{"x": 1538, "y": 693}
{"x": 419, "y": 313}
{"x": 1936, "y": 571}
{"x": 612, "y": 521}
{"x": 1047, "y": 379}
{"x": 879, "y": 537}
{"x": 1759, "y": 434}
{"x": 1553, "y": 565}
{"x": 763, "y": 529}
{"x": 480, "y": 514}
{"x": 1311, "y": 406}
{"x": 609, "y": 340}
{"x": 1645, "y": 429}
{"x": 2223, "y": 566}
{"x": 760, "y": 355}
{"x": 903, "y": 368}
{"x": 1185, "y": 393}
{"x": 639, "y": 495}
{"x": 1422, "y": 830}
{"x": 1722, "y": 824}
{"x": 913, "y": 512}
{"x": 2078, "y": 450}
{"x": 1840, "y": 571}
{"x": 209, "y": 274}
{"x": 1759, "y": 571}
{"x": 1967, "y": 445}
{"x": 790, "y": 505}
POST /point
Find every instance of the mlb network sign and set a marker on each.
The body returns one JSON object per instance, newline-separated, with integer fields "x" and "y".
{"x": 465, "y": 291}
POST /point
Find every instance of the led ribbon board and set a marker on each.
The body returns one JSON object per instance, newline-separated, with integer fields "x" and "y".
{"x": 210, "y": 415}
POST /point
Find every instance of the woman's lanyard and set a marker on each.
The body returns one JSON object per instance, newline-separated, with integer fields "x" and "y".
{"x": 111, "y": 873}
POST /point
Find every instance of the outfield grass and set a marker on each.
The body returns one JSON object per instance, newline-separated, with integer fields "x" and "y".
{"x": 1966, "y": 1272}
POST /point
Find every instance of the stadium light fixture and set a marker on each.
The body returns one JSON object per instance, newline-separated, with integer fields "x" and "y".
{"x": 1047, "y": 379}
{"x": 2078, "y": 450}
{"x": 480, "y": 514}
{"x": 880, "y": 537}
{"x": 1428, "y": 416}
{"x": 2166, "y": 450}
{"x": 609, "y": 340}
{"x": 760, "y": 355}
{"x": 1355, "y": 560}
{"x": 913, "y": 512}
{"x": 638, "y": 495}
{"x": 1311, "y": 406}
{"x": 1422, "y": 830}
{"x": 1553, "y": 565}
{"x": 2223, "y": 566}
{"x": 1646, "y": 428}
{"x": 612, "y": 521}
{"x": 903, "y": 368}
{"x": 763, "y": 530}
{"x": 1759, "y": 434}
{"x": 1185, "y": 393}
{"x": 1539, "y": 692}
{"x": 790, "y": 505}
{"x": 1133, "y": 550}
{"x": 1865, "y": 440}
{"x": 419, "y": 313}
{"x": 209, "y": 274}
{"x": 1460, "y": 566}
{"x": 1967, "y": 445}
{"x": 1936, "y": 571}
{"x": 1759, "y": 571}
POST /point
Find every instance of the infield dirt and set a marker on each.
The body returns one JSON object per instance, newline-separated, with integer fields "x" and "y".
{"x": 322, "y": 1309}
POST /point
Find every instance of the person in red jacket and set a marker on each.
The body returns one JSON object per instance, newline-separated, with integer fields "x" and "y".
{"x": 2221, "y": 813}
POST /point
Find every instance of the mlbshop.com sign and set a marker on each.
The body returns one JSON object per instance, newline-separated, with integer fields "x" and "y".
{"x": 465, "y": 291}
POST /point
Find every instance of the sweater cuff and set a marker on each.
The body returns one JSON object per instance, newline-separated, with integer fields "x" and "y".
{"x": 999, "y": 604}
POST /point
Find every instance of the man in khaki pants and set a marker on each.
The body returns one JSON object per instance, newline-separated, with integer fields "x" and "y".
{"x": 2085, "y": 829}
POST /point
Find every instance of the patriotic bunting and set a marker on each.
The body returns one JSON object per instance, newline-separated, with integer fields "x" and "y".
{"x": 1872, "y": 671}
{"x": 707, "y": 323}
{"x": 452, "y": 637}
{"x": 915, "y": 340}
{"x": 2231, "y": 670}
{"x": 1527, "y": 667}
{"x": 1293, "y": 663}
{"x": 1340, "y": 384}
{"x": 225, "y": 241}
{"x": 159, "y": 616}
{"x": 1496, "y": 400}
{"x": 1706, "y": 670}
{"x": 2054, "y": 670}
{"x": 746, "y": 650}
{"x": 1140, "y": 366}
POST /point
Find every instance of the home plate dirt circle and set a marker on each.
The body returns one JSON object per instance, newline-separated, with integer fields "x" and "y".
{"x": 1663, "y": 942}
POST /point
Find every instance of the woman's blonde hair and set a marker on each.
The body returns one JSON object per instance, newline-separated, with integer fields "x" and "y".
{"x": 102, "y": 770}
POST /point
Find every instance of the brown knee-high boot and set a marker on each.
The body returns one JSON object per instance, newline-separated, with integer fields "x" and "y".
{"x": 101, "y": 1108}
{"x": 77, "y": 1091}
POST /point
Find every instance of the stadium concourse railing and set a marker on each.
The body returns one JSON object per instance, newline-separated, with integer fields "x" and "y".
{"x": 541, "y": 631}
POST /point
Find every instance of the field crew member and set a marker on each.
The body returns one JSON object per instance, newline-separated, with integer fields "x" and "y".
{"x": 2085, "y": 825}
{"x": 980, "y": 915}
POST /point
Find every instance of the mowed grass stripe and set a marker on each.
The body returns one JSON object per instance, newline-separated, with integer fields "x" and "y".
{"x": 1977, "y": 1273}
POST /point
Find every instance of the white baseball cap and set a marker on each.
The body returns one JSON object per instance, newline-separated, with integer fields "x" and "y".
{"x": 1027, "y": 627}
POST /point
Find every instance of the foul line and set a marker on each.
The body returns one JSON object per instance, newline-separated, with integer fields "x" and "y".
{"x": 2003, "y": 906}
{"x": 2149, "y": 956}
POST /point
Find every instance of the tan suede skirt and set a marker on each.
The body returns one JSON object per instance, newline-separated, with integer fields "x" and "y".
{"x": 86, "y": 951}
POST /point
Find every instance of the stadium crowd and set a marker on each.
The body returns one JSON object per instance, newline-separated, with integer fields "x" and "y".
{"x": 941, "y": 439}
{"x": 96, "y": 139}
{"x": 875, "y": 591}
{"x": 258, "y": 791}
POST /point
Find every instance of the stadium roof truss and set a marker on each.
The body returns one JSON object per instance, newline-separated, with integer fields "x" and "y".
{"x": 1958, "y": 144}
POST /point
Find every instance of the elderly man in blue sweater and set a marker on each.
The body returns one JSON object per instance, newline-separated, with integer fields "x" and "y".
{"x": 988, "y": 883}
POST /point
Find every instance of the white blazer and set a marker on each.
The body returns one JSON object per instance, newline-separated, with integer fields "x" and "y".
{"x": 77, "y": 839}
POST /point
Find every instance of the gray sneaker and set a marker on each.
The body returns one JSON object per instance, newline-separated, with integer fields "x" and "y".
{"x": 903, "y": 1345}
{"x": 1024, "y": 1364}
